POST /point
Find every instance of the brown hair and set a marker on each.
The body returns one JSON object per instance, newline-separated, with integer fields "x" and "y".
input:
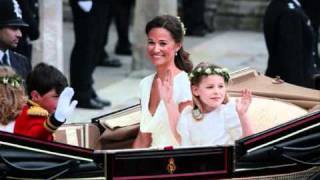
{"x": 176, "y": 29}
{"x": 12, "y": 98}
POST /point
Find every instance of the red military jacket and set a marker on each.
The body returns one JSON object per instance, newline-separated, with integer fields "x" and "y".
{"x": 34, "y": 121}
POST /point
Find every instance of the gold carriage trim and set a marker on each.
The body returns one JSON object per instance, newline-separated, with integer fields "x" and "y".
{"x": 171, "y": 167}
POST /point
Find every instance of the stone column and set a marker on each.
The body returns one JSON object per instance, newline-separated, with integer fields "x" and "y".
{"x": 49, "y": 48}
{"x": 144, "y": 11}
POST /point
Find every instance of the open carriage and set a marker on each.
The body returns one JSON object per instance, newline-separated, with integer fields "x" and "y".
{"x": 286, "y": 120}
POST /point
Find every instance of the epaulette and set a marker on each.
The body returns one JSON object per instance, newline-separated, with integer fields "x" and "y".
{"x": 36, "y": 110}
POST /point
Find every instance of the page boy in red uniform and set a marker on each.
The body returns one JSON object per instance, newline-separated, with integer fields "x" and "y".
{"x": 49, "y": 103}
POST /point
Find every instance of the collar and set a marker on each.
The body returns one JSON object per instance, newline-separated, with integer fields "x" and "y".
{"x": 31, "y": 103}
{"x": 35, "y": 109}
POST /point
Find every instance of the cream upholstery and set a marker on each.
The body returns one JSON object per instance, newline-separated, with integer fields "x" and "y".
{"x": 264, "y": 114}
{"x": 267, "y": 113}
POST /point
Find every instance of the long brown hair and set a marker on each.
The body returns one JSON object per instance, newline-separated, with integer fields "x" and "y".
{"x": 12, "y": 96}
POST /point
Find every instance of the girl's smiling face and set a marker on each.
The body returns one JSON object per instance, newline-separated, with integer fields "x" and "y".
{"x": 211, "y": 91}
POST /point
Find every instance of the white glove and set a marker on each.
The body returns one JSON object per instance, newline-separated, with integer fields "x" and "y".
{"x": 64, "y": 108}
{"x": 86, "y": 6}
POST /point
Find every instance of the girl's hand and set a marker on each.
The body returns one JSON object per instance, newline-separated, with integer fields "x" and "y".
{"x": 165, "y": 87}
{"x": 244, "y": 102}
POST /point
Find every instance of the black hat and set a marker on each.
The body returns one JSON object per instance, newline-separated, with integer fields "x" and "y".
{"x": 10, "y": 14}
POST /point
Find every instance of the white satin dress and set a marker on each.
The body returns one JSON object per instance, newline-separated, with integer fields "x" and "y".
{"x": 158, "y": 123}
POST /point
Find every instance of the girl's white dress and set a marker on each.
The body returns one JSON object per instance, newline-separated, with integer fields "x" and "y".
{"x": 219, "y": 127}
{"x": 158, "y": 124}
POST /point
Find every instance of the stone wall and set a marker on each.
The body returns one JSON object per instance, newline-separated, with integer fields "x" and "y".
{"x": 235, "y": 14}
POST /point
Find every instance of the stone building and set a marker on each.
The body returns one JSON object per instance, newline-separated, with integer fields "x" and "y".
{"x": 235, "y": 14}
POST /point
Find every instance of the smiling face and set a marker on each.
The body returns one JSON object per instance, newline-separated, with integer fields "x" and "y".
{"x": 9, "y": 37}
{"x": 211, "y": 92}
{"x": 161, "y": 47}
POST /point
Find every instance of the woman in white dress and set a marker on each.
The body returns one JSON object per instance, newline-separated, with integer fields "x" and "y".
{"x": 213, "y": 120}
{"x": 167, "y": 91}
{"x": 12, "y": 98}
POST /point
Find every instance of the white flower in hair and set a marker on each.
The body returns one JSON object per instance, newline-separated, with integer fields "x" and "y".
{"x": 5, "y": 80}
{"x": 208, "y": 71}
{"x": 199, "y": 69}
{"x": 182, "y": 25}
{"x": 13, "y": 81}
{"x": 225, "y": 70}
{"x": 218, "y": 70}
{"x": 191, "y": 75}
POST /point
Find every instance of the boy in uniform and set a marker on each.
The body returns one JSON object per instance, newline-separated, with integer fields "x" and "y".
{"x": 49, "y": 106}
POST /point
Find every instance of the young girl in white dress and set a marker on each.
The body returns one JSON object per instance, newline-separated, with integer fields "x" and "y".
{"x": 214, "y": 120}
{"x": 167, "y": 91}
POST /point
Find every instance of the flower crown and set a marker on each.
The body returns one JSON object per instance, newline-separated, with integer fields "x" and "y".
{"x": 182, "y": 26}
{"x": 200, "y": 71}
{"x": 14, "y": 81}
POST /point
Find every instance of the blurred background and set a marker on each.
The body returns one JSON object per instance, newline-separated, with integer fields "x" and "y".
{"x": 230, "y": 36}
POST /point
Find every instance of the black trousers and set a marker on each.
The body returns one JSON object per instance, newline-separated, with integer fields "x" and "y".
{"x": 89, "y": 28}
{"x": 193, "y": 14}
{"x": 119, "y": 11}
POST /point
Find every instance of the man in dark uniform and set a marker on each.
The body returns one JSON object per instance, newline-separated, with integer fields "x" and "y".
{"x": 89, "y": 24}
{"x": 10, "y": 34}
{"x": 312, "y": 9}
{"x": 30, "y": 15}
{"x": 289, "y": 38}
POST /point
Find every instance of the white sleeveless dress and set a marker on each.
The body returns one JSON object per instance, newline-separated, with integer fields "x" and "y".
{"x": 158, "y": 124}
{"x": 219, "y": 127}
